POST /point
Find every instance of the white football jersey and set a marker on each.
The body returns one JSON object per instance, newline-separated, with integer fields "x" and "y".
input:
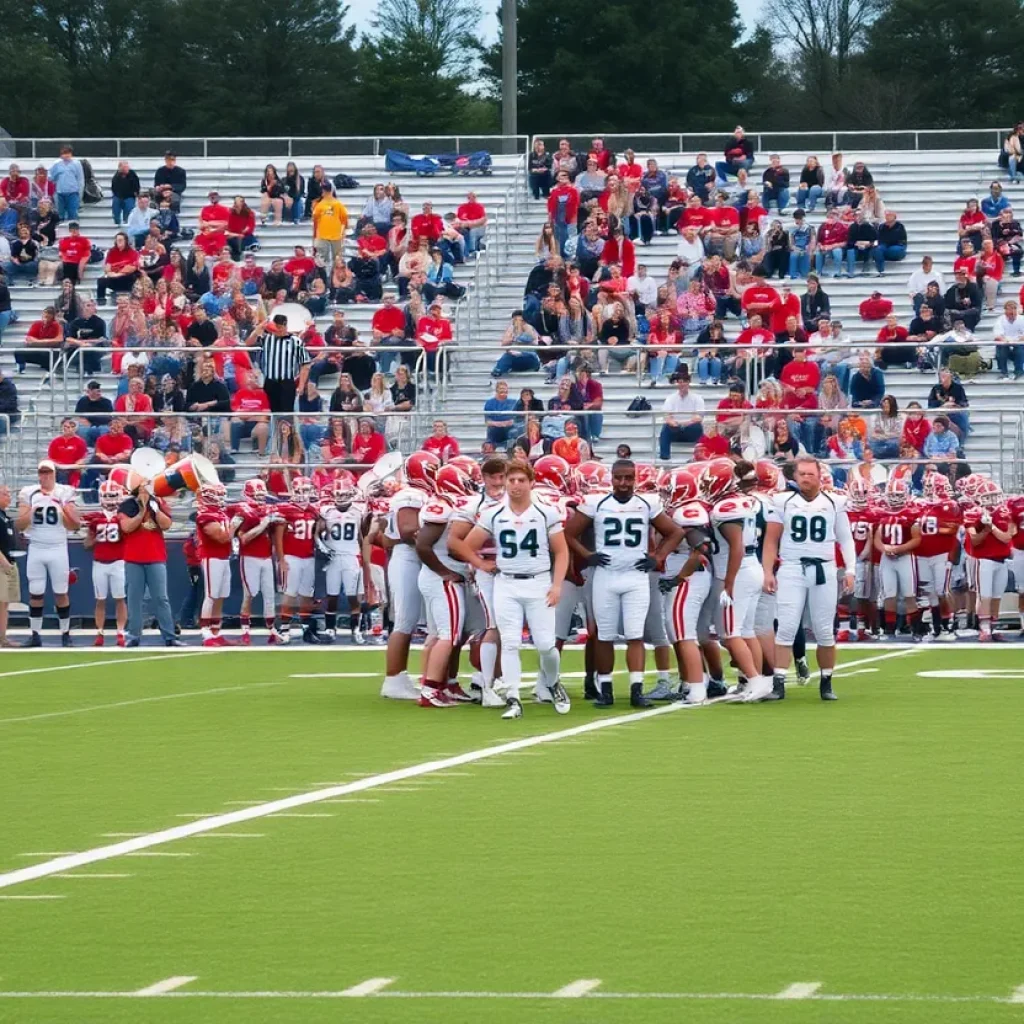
{"x": 692, "y": 515}
{"x": 46, "y": 525}
{"x": 474, "y": 511}
{"x": 521, "y": 538}
{"x": 440, "y": 511}
{"x": 810, "y": 529}
{"x": 737, "y": 508}
{"x": 621, "y": 528}
{"x": 344, "y": 528}
{"x": 407, "y": 497}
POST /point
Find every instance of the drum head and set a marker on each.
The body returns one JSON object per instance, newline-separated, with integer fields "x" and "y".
{"x": 205, "y": 470}
{"x": 299, "y": 318}
{"x": 147, "y": 462}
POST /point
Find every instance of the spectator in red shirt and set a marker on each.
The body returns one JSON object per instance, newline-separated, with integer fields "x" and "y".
{"x": 563, "y": 209}
{"x": 893, "y": 347}
{"x": 427, "y": 225}
{"x": 388, "y": 330}
{"x": 761, "y": 299}
{"x": 45, "y": 339}
{"x": 75, "y": 250}
{"x": 832, "y": 237}
{"x": 440, "y": 442}
{"x": 712, "y": 444}
{"x": 112, "y": 448}
{"x": 240, "y": 228}
{"x": 598, "y": 152}
{"x": 69, "y": 452}
{"x": 215, "y": 214}
{"x": 472, "y": 218}
{"x": 299, "y": 267}
{"x": 135, "y": 400}
{"x": 630, "y": 171}
{"x": 253, "y": 420}
{"x": 989, "y": 273}
{"x": 372, "y": 245}
{"x": 800, "y": 379}
{"x": 368, "y": 445}
{"x": 722, "y": 235}
{"x": 210, "y": 242}
{"x": 972, "y": 224}
{"x": 15, "y": 189}
{"x": 731, "y": 423}
{"x": 785, "y": 306}
{"x": 619, "y": 249}
{"x": 120, "y": 271}
{"x": 432, "y": 332}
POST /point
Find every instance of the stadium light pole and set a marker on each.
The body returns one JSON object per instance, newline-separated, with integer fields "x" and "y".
{"x": 509, "y": 71}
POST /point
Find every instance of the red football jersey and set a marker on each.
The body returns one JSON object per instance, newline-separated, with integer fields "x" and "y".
{"x": 252, "y": 516}
{"x": 862, "y": 522}
{"x": 990, "y": 547}
{"x": 299, "y": 529}
{"x": 208, "y": 547}
{"x": 106, "y": 529}
{"x": 933, "y": 517}
{"x": 896, "y": 525}
{"x": 1017, "y": 511}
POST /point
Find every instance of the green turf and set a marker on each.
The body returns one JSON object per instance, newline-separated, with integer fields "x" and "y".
{"x": 871, "y": 845}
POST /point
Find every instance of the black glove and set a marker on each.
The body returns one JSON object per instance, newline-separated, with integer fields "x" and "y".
{"x": 645, "y": 564}
{"x": 195, "y": 575}
{"x": 598, "y": 558}
{"x": 667, "y": 585}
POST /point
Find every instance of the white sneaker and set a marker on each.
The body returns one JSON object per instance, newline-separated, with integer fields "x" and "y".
{"x": 697, "y": 695}
{"x": 400, "y": 688}
{"x": 358, "y": 638}
{"x": 757, "y": 689}
{"x": 560, "y": 698}
{"x": 489, "y": 699}
{"x": 515, "y": 708}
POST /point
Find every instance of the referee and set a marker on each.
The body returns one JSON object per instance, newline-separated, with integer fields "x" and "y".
{"x": 284, "y": 359}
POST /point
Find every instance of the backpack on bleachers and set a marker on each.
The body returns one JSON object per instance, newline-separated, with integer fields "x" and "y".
{"x": 345, "y": 181}
{"x": 396, "y": 162}
{"x": 91, "y": 193}
{"x": 465, "y": 163}
{"x": 875, "y": 307}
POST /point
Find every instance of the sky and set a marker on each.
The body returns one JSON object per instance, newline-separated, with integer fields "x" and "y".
{"x": 361, "y": 14}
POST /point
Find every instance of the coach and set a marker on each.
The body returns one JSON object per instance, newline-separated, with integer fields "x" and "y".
{"x": 143, "y": 522}
{"x": 285, "y": 360}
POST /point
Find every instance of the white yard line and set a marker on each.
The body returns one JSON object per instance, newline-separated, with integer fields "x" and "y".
{"x": 156, "y": 853}
{"x": 577, "y": 989}
{"x": 161, "y": 988}
{"x": 289, "y": 814}
{"x": 370, "y": 987}
{"x": 352, "y": 800}
{"x": 95, "y": 663}
{"x": 50, "y": 853}
{"x": 210, "y": 826}
{"x": 86, "y": 874}
{"x": 137, "y": 700}
{"x": 40, "y": 897}
{"x": 1018, "y": 995}
{"x": 799, "y": 990}
{"x": 230, "y": 835}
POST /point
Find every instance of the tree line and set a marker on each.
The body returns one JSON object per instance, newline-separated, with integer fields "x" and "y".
{"x": 75, "y": 68}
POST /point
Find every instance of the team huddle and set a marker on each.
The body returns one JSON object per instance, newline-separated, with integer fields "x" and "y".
{"x": 688, "y": 561}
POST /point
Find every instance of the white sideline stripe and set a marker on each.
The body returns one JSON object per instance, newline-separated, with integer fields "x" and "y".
{"x": 242, "y": 803}
{"x": 50, "y": 853}
{"x": 31, "y": 897}
{"x": 137, "y": 700}
{"x": 121, "y": 835}
{"x": 208, "y": 826}
{"x": 800, "y": 990}
{"x": 227, "y": 835}
{"x": 334, "y": 675}
{"x": 369, "y": 987}
{"x": 351, "y": 800}
{"x": 167, "y": 985}
{"x": 86, "y": 874}
{"x": 1018, "y": 995}
{"x": 204, "y": 814}
{"x": 157, "y": 853}
{"x": 576, "y": 989}
{"x": 287, "y": 814}
{"x": 94, "y": 664}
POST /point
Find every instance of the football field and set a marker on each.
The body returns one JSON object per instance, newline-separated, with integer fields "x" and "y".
{"x": 255, "y": 836}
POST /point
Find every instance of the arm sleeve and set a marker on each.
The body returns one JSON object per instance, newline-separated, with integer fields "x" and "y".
{"x": 844, "y": 537}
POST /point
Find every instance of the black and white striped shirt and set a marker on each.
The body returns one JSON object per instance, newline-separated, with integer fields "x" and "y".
{"x": 283, "y": 356}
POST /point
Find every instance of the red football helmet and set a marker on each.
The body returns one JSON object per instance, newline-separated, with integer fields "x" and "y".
{"x": 897, "y": 492}
{"x": 646, "y": 479}
{"x": 967, "y": 487}
{"x": 303, "y": 491}
{"x": 859, "y": 491}
{"x": 470, "y": 467}
{"x": 555, "y": 472}
{"x": 453, "y": 481}
{"x": 682, "y": 487}
{"x": 989, "y": 494}
{"x": 421, "y": 471}
{"x": 768, "y": 475}
{"x": 716, "y": 480}
{"x": 111, "y": 494}
{"x": 594, "y": 476}
{"x": 255, "y": 491}
{"x": 936, "y": 487}
{"x": 212, "y": 495}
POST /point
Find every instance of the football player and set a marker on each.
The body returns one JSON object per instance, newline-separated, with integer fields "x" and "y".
{"x": 253, "y": 522}
{"x": 897, "y": 537}
{"x": 1016, "y": 507}
{"x": 104, "y": 537}
{"x": 802, "y": 533}
{"x": 530, "y": 562}
{"x": 214, "y": 533}
{"x": 294, "y": 544}
{"x": 991, "y": 528}
{"x": 342, "y": 535}
{"x": 46, "y": 511}
{"x": 939, "y": 523}
{"x": 862, "y": 515}
{"x": 622, "y": 524}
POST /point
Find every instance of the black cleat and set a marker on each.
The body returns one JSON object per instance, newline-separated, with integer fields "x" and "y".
{"x": 35, "y": 640}
{"x": 637, "y": 698}
{"x": 590, "y": 691}
{"x": 825, "y": 690}
{"x": 606, "y": 698}
{"x": 311, "y": 636}
{"x": 66, "y": 641}
{"x": 778, "y": 691}
{"x": 173, "y": 642}
{"x": 716, "y": 688}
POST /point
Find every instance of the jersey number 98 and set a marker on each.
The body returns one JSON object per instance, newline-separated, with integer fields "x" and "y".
{"x": 816, "y": 528}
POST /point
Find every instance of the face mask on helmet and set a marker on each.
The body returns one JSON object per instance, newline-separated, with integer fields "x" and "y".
{"x": 555, "y": 472}
{"x": 255, "y": 491}
{"x": 111, "y": 495}
{"x": 896, "y": 494}
{"x": 302, "y": 491}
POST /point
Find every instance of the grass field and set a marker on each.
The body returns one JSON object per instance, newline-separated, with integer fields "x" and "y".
{"x": 788, "y": 862}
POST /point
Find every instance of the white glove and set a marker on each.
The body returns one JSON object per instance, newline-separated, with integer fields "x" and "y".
{"x": 725, "y": 599}
{"x": 986, "y": 519}
{"x": 236, "y": 522}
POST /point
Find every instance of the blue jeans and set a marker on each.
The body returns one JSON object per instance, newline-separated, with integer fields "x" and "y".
{"x": 159, "y": 365}
{"x": 728, "y": 168}
{"x": 885, "y": 449}
{"x": 779, "y": 196}
{"x": 677, "y": 435}
{"x": 1004, "y": 353}
{"x": 193, "y": 603}
{"x": 499, "y": 435}
{"x": 311, "y": 433}
{"x": 28, "y": 270}
{"x": 562, "y": 234}
{"x": 120, "y": 208}
{"x": 591, "y": 426}
{"x": 888, "y": 252}
{"x": 807, "y": 198}
{"x": 854, "y": 256}
{"x": 515, "y": 362}
{"x": 323, "y": 367}
{"x": 152, "y": 575}
{"x": 1012, "y": 168}
{"x": 298, "y": 209}
{"x": 90, "y": 434}
{"x": 67, "y": 205}
{"x": 451, "y": 252}
{"x": 834, "y": 256}
{"x": 799, "y": 263}
{"x": 7, "y": 317}
{"x": 709, "y": 368}
{"x": 807, "y": 433}
{"x": 663, "y": 366}
{"x": 841, "y": 371}
{"x": 472, "y": 238}
{"x": 240, "y": 430}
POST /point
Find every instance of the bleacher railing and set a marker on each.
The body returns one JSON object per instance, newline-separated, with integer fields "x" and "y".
{"x": 223, "y": 146}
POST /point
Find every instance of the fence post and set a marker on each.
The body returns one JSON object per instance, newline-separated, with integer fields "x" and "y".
{"x": 289, "y": 147}
{"x": 206, "y": 148}
{"x": 917, "y": 144}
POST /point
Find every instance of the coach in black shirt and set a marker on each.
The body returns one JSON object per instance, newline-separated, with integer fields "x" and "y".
{"x": 203, "y": 329}
{"x": 170, "y": 181}
{"x": 91, "y": 331}
{"x": 207, "y": 394}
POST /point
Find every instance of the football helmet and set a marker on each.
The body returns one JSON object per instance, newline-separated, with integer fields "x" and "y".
{"x": 936, "y": 487}
{"x": 897, "y": 492}
{"x": 768, "y": 476}
{"x": 471, "y": 468}
{"x": 682, "y": 487}
{"x": 342, "y": 493}
{"x": 646, "y": 479}
{"x": 303, "y": 491}
{"x": 989, "y": 494}
{"x": 213, "y": 495}
{"x": 716, "y": 480}
{"x": 967, "y": 487}
{"x": 858, "y": 492}
{"x": 453, "y": 481}
{"x": 554, "y": 471}
{"x": 111, "y": 494}
{"x": 594, "y": 476}
{"x": 421, "y": 471}
{"x": 255, "y": 491}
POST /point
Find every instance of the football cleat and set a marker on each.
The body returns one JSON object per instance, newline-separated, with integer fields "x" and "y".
{"x": 758, "y": 688}
{"x": 843, "y": 636}
{"x": 542, "y": 694}
{"x": 637, "y": 698}
{"x": 358, "y": 638}
{"x": 662, "y": 691}
{"x": 825, "y": 690}
{"x": 864, "y": 637}
{"x": 66, "y": 641}
{"x": 98, "y": 642}
{"x": 717, "y": 689}
{"x": 458, "y": 694}
{"x": 514, "y": 708}
{"x": 606, "y": 695}
{"x": 489, "y": 699}
{"x": 120, "y": 640}
{"x": 560, "y": 699}
{"x": 803, "y": 672}
{"x": 401, "y": 688}
{"x": 245, "y": 640}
